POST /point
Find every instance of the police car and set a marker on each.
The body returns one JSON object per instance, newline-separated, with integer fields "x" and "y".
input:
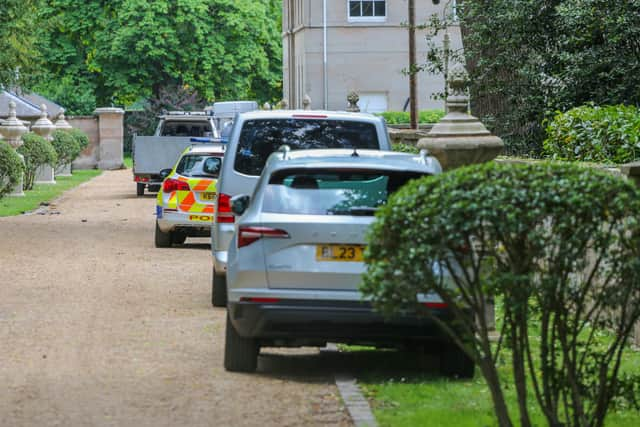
{"x": 185, "y": 203}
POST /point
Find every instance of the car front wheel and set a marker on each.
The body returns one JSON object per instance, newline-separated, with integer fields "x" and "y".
{"x": 240, "y": 353}
{"x": 218, "y": 289}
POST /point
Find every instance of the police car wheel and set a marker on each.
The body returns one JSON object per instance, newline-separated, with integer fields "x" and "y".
{"x": 163, "y": 240}
{"x": 178, "y": 238}
{"x": 455, "y": 363}
{"x": 240, "y": 353}
{"x": 218, "y": 290}
{"x": 140, "y": 189}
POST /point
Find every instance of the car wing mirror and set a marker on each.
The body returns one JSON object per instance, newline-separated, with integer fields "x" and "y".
{"x": 165, "y": 173}
{"x": 239, "y": 204}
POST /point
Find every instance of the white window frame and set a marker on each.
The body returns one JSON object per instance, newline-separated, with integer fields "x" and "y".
{"x": 367, "y": 18}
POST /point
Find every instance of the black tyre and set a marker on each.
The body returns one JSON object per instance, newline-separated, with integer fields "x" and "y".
{"x": 178, "y": 238}
{"x": 140, "y": 189}
{"x": 218, "y": 289}
{"x": 163, "y": 240}
{"x": 455, "y": 363}
{"x": 240, "y": 354}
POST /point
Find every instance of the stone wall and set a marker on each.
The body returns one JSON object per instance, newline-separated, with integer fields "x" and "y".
{"x": 402, "y": 135}
{"x": 106, "y": 139}
{"x": 88, "y": 159}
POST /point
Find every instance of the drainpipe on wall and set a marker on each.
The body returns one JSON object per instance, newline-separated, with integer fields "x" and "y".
{"x": 324, "y": 55}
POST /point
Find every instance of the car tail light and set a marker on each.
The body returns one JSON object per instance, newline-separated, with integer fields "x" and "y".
{"x": 223, "y": 206}
{"x": 170, "y": 185}
{"x": 309, "y": 116}
{"x": 439, "y": 305}
{"x": 263, "y": 300}
{"x": 248, "y": 235}
{"x": 138, "y": 178}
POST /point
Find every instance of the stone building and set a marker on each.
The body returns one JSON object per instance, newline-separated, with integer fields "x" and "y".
{"x": 365, "y": 49}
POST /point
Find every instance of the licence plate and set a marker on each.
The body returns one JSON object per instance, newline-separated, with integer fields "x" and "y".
{"x": 208, "y": 196}
{"x": 340, "y": 253}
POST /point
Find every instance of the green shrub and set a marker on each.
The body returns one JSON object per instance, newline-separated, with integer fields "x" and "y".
{"x": 558, "y": 244}
{"x": 403, "y": 117}
{"x": 11, "y": 168}
{"x": 607, "y": 134}
{"x": 37, "y": 152}
{"x": 81, "y": 138}
{"x": 67, "y": 147}
{"x": 405, "y": 148}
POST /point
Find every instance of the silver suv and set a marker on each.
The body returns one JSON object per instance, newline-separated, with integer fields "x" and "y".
{"x": 296, "y": 259}
{"x": 254, "y": 137}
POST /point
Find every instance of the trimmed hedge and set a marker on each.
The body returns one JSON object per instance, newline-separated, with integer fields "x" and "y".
{"x": 11, "y": 168}
{"x": 67, "y": 147}
{"x": 403, "y": 117}
{"x": 81, "y": 138}
{"x": 37, "y": 152}
{"x": 590, "y": 133}
{"x": 405, "y": 148}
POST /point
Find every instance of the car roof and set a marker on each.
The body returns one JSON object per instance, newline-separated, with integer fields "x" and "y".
{"x": 308, "y": 114}
{"x": 341, "y": 158}
{"x": 206, "y": 148}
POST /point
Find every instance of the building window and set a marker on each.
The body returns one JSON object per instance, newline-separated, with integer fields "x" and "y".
{"x": 367, "y": 10}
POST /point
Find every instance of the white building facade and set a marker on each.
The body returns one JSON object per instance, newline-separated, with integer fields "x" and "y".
{"x": 333, "y": 47}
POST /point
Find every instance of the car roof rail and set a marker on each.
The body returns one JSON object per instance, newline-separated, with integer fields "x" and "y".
{"x": 284, "y": 149}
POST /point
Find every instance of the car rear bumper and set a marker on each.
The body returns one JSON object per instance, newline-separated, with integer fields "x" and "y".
{"x": 183, "y": 221}
{"x": 338, "y": 321}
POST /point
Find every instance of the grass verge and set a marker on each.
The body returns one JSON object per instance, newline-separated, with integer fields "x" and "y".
{"x": 42, "y": 193}
{"x": 419, "y": 399}
{"x": 128, "y": 161}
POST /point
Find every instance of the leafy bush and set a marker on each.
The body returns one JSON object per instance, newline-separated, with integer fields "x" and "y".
{"x": 607, "y": 134}
{"x": 37, "y": 152}
{"x": 403, "y": 117}
{"x": 11, "y": 168}
{"x": 405, "y": 148}
{"x": 557, "y": 243}
{"x": 81, "y": 138}
{"x": 67, "y": 147}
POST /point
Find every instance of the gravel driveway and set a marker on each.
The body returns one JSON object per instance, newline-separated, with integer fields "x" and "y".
{"x": 99, "y": 328}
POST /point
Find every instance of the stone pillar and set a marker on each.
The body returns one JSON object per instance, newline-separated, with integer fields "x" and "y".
{"x": 62, "y": 124}
{"x": 352, "y": 99}
{"x": 460, "y": 139}
{"x": 43, "y": 127}
{"x": 306, "y": 102}
{"x": 632, "y": 172}
{"x": 111, "y": 133}
{"x": 12, "y": 130}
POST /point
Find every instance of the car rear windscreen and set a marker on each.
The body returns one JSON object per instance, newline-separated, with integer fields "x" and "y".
{"x": 331, "y": 192}
{"x": 260, "y": 138}
{"x": 205, "y": 166}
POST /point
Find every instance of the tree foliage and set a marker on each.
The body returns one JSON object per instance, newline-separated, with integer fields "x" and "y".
{"x": 530, "y": 57}
{"x": 557, "y": 243}
{"x": 125, "y": 50}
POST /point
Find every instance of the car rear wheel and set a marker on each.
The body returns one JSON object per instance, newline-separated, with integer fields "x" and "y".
{"x": 456, "y": 363}
{"x": 218, "y": 289}
{"x": 178, "y": 238}
{"x": 240, "y": 353}
{"x": 163, "y": 240}
{"x": 140, "y": 189}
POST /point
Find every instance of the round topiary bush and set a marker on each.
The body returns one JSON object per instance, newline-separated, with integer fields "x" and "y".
{"x": 81, "y": 138}
{"x": 607, "y": 134}
{"x": 11, "y": 168}
{"x": 558, "y": 244}
{"x": 67, "y": 147}
{"x": 37, "y": 152}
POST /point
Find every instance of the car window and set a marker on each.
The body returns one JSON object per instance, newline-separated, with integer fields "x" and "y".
{"x": 331, "y": 192}
{"x": 259, "y": 138}
{"x": 199, "y": 165}
{"x": 185, "y": 128}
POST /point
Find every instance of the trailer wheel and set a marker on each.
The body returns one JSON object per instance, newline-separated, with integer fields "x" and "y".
{"x": 140, "y": 189}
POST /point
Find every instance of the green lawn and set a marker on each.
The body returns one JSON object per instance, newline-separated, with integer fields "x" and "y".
{"x": 128, "y": 161}
{"x": 419, "y": 399}
{"x": 43, "y": 193}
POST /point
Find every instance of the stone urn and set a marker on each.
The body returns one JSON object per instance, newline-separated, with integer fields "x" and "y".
{"x": 12, "y": 130}
{"x": 61, "y": 123}
{"x": 43, "y": 127}
{"x": 460, "y": 139}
